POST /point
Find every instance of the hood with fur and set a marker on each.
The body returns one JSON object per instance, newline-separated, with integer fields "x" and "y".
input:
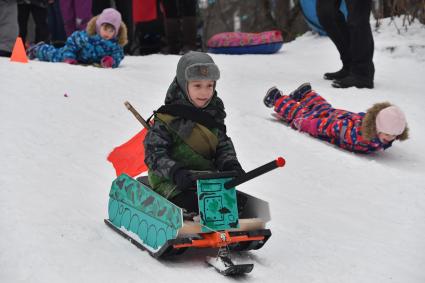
{"x": 369, "y": 122}
{"x": 121, "y": 36}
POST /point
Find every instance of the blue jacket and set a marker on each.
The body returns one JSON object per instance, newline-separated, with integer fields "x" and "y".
{"x": 86, "y": 49}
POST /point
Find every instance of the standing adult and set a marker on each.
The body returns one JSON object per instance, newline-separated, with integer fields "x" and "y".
{"x": 75, "y": 14}
{"x": 38, "y": 10}
{"x": 180, "y": 26}
{"x": 125, "y": 7}
{"x": 55, "y": 21}
{"x": 354, "y": 40}
{"x": 9, "y": 28}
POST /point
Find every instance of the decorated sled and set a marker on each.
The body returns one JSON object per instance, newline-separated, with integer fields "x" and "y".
{"x": 153, "y": 223}
{"x": 158, "y": 226}
{"x": 267, "y": 42}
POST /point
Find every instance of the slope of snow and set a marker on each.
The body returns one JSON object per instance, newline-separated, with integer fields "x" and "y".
{"x": 336, "y": 216}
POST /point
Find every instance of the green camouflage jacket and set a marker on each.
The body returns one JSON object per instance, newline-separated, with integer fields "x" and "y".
{"x": 166, "y": 147}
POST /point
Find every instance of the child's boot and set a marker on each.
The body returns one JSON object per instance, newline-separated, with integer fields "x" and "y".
{"x": 299, "y": 93}
{"x": 32, "y": 50}
{"x": 272, "y": 95}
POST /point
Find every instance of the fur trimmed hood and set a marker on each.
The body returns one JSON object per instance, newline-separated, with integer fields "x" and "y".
{"x": 121, "y": 36}
{"x": 369, "y": 122}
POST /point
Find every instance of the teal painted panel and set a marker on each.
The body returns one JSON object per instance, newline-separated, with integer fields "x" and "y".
{"x": 142, "y": 211}
{"x": 218, "y": 207}
{"x": 152, "y": 232}
{"x": 131, "y": 192}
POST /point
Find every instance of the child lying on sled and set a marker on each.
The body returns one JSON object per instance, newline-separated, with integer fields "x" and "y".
{"x": 189, "y": 134}
{"x": 101, "y": 44}
{"x": 305, "y": 110}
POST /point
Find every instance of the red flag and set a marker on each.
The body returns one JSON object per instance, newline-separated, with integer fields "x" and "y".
{"x": 129, "y": 157}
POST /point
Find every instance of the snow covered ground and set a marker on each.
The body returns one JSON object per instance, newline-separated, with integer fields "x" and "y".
{"x": 336, "y": 216}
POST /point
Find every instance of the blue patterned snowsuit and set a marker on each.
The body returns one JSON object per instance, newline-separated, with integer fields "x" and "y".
{"x": 84, "y": 48}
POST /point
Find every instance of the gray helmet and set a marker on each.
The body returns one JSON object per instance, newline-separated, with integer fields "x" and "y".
{"x": 194, "y": 66}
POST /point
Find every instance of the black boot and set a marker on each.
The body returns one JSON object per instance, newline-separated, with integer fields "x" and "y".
{"x": 189, "y": 34}
{"x": 353, "y": 80}
{"x": 172, "y": 33}
{"x": 337, "y": 75}
{"x": 300, "y": 92}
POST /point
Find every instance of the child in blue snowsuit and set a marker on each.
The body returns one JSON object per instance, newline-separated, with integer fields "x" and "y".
{"x": 101, "y": 43}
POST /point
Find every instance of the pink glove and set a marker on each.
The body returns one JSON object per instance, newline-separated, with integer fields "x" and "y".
{"x": 107, "y": 62}
{"x": 306, "y": 125}
{"x": 70, "y": 61}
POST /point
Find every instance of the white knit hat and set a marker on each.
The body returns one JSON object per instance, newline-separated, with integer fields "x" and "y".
{"x": 391, "y": 120}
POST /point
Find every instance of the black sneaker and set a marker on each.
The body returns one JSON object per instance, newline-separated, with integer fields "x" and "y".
{"x": 272, "y": 95}
{"x": 299, "y": 93}
{"x": 353, "y": 80}
{"x": 336, "y": 75}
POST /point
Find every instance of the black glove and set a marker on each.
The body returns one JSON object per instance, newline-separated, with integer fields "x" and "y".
{"x": 234, "y": 166}
{"x": 184, "y": 179}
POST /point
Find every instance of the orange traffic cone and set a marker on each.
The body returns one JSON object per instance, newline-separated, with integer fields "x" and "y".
{"x": 18, "y": 53}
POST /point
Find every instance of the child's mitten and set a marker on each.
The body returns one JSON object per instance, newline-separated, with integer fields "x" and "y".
{"x": 234, "y": 166}
{"x": 107, "y": 62}
{"x": 70, "y": 61}
{"x": 184, "y": 179}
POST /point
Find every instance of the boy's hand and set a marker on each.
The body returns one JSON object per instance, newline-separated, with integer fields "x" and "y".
{"x": 184, "y": 179}
{"x": 70, "y": 61}
{"x": 234, "y": 166}
{"x": 107, "y": 62}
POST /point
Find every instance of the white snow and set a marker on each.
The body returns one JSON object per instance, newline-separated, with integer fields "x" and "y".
{"x": 336, "y": 216}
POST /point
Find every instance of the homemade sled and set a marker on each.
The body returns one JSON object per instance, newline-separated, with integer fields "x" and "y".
{"x": 156, "y": 225}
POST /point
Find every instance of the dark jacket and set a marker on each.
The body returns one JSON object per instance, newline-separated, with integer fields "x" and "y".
{"x": 166, "y": 149}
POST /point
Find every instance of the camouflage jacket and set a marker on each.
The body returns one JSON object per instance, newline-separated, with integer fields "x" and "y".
{"x": 166, "y": 149}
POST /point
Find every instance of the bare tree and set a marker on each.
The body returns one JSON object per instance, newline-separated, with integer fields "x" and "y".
{"x": 408, "y": 9}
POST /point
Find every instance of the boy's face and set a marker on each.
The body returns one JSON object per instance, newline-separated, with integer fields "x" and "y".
{"x": 107, "y": 31}
{"x": 386, "y": 138}
{"x": 200, "y": 92}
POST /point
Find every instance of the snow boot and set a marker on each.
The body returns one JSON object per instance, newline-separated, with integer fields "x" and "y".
{"x": 337, "y": 75}
{"x": 353, "y": 80}
{"x": 272, "y": 95}
{"x": 299, "y": 93}
{"x": 32, "y": 50}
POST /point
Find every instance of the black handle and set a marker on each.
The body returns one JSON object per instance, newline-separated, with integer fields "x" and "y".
{"x": 279, "y": 162}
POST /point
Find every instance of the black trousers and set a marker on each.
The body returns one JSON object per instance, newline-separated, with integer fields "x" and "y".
{"x": 179, "y": 8}
{"x": 40, "y": 19}
{"x": 352, "y": 37}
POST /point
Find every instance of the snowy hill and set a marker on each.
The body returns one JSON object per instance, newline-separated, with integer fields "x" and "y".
{"x": 336, "y": 216}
